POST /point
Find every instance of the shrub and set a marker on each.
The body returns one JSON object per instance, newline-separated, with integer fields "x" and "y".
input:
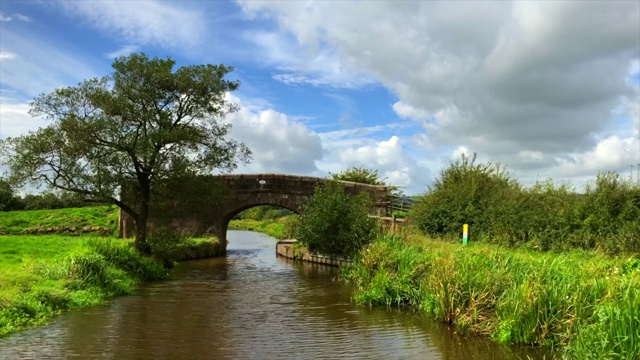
{"x": 334, "y": 222}
{"x": 465, "y": 192}
{"x": 544, "y": 216}
{"x": 123, "y": 256}
{"x": 168, "y": 245}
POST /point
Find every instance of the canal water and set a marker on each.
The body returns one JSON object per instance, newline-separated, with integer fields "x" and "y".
{"x": 248, "y": 305}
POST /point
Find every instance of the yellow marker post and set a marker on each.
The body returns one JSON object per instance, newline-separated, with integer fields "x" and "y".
{"x": 465, "y": 233}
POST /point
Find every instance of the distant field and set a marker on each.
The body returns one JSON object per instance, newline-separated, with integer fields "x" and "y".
{"x": 17, "y": 222}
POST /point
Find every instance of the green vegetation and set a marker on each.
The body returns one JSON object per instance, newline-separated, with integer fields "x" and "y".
{"x": 169, "y": 246}
{"x": 606, "y": 216}
{"x": 272, "y": 227}
{"x": 359, "y": 175}
{"x": 585, "y": 303}
{"x": 16, "y": 222}
{"x": 334, "y": 222}
{"x": 263, "y": 212}
{"x": 131, "y": 133}
{"x": 41, "y": 276}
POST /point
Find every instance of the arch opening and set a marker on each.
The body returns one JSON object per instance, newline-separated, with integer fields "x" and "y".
{"x": 247, "y": 216}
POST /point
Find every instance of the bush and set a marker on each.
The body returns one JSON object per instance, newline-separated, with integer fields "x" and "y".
{"x": 167, "y": 245}
{"x": 545, "y": 216}
{"x": 336, "y": 223}
{"x": 125, "y": 257}
{"x": 112, "y": 266}
{"x": 465, "y": 193}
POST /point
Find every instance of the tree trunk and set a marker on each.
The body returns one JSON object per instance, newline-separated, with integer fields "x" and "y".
{"x": 141, "y": 243}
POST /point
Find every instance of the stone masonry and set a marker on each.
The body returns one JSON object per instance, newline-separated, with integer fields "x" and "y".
{"x": 244, "y": 192}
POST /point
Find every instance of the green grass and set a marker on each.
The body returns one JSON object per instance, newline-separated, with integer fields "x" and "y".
{"x": 271, "y": 227}
{"x": 40, "y": 276}
{"x": 582, "y": 303}
{"x": 17, "y": 222}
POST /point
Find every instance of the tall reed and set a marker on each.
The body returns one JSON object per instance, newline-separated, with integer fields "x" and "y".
{"x": 561, "y": 301}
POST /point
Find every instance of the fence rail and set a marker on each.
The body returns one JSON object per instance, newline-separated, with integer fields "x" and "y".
{"x": 401, "y": 203}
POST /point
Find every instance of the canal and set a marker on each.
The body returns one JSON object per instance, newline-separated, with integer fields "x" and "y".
{"x": 248, "y": 305}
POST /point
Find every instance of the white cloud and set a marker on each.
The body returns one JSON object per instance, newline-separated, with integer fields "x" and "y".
{"x": 142, "y": 22}
{"x": 298, "y": 66}
{"x": 22, "y": 17}
{"x": 521, "y": 83}
{"x": 4, "y": 55}
{"x": 610, "y": 154}
{"x": 15, "y": 119}
{"x": 355, "y": 147}
{"x": 279, "y": 144}
{"x": 459, "y": 151}
{"x": 392, "y": 163}
{"x": 409, "y": 112}
{"x": 123, "y": 51}
{"x": 43, "y": 66}
{"x": 16, "y": 16}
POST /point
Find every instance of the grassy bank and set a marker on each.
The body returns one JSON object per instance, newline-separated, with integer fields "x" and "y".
{"x": 18, "y": 222}
{"x": 583, "y": 303}
{"x": 41, "y": 276}
{"x": 271, "y": 227}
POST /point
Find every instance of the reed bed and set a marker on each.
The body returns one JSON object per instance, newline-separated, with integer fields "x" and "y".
{"x": 581, "y": 304}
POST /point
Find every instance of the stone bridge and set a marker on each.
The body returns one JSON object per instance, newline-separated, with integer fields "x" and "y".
{"x": 210, "y": 214}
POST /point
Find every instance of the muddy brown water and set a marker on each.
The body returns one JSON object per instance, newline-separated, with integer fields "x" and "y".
{"x": 248, "y": 305}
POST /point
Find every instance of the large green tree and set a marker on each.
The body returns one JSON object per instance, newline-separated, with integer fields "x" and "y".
{"x": 140, "y": 126}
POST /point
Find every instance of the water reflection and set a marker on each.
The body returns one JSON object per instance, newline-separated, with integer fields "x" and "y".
{"x": 247, "y": 305}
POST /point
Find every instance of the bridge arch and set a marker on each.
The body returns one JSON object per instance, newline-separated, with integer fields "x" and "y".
{"x": 244, "y": 191}
{"x": 232, "y": 213}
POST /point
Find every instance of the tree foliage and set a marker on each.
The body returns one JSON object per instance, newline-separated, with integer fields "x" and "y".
{"x": 140, "y": 126}
{"x": 359, "y": 175}
{"x": 465, "y": 192}
{"x": 334, "y": 222}
{"x": 7, "y": 197}
{"x": 367, "y": 176}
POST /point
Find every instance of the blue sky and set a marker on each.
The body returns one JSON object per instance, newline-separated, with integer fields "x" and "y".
{"x": 551, "y": 89}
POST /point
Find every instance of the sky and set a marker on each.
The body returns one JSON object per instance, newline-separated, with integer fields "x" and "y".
{"x": 551, "y": 89}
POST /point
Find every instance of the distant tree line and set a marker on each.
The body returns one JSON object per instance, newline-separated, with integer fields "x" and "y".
{"x": 10, "y": 201}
